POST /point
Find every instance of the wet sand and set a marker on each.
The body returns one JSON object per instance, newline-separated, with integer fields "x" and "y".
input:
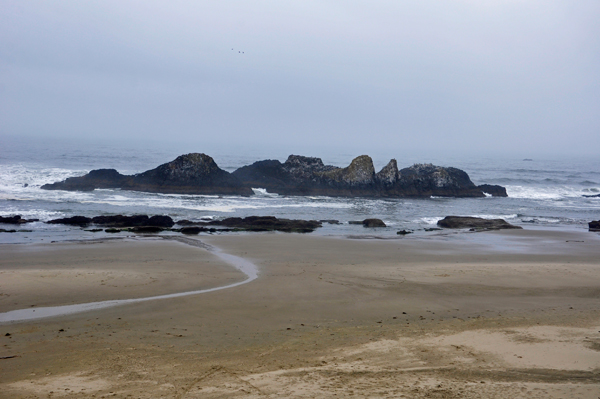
{"x": 486, "y": 315}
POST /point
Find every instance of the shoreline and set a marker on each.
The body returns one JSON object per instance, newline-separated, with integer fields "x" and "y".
{"x": 331, "y": 317}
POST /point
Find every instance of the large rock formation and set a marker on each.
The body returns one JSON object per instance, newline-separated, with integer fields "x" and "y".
{"x": 309, "y": 176}
{"x": 188, "y": 174}
{"x": 298, "y": 175}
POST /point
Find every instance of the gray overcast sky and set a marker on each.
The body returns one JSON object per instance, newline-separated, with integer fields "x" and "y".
{"x": 422, "y": 75}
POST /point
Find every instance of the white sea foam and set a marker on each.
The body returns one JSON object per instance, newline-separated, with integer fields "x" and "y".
{"x": 543, "y": 193}
{"x": 262, "y": 192}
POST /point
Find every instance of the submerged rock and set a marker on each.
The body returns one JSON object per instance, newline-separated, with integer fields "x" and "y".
{"x": 462, "y": 222}
{"x": 594, "y": 225}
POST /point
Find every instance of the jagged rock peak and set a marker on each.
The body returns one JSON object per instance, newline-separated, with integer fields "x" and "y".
{"x": 186, "y": 167}
{"x": 299, "y": 161}
{"x": 389, "y": 173}
{"x": 360, "y": 171}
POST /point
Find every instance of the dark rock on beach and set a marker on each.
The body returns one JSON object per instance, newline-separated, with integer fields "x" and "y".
{"x": 119, "y": 221}
{"x": 592, "y": 196}
{"x": 17, "y": 219}
{"x": 268, "y": 223}
{"x": 594, "y": 225}
{"x": 403, "y": 232}
{"x": 462, "y": 222}
{"x": 187, "y": 174}
{"x": 72, "y": 221}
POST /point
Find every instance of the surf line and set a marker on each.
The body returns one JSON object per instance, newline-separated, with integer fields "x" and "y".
{"x": 243, "y": 265}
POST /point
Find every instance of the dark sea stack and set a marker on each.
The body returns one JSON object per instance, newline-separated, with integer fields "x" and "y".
{"x": 464, "y": 222}
{"x": 426, "y": 180}
{"x": 493, "y": 190}
{"x": 373, "y": 223}
{"x": 594, "y": 225}
{"x": 299, "y": 175}
{"x": 188, "y": 174}
{"x": 99, "y": 178}
{"x": 268, "y": 174}
{"x": 388, "y": 176}
{"x": 72, "y": 221}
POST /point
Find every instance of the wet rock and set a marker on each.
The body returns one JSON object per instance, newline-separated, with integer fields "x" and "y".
{"x": 493, "y": 190}
{"x": 592, "y": 196}
{"x": 462, "y": 222}
{"x": 17, "y": 219}
{"x": 121, "y": 221}
{"x": 72, "y": 221}
{"x": 594, "y": 225}
{"x": 268, "y": 223}
{"x": 161, "y": 221}
{"x": 147, "y": 229}
{"x": 330, "y": 221}
{"x": 191, "y": 230}
{"x": 133, "y": 221}
{"x": 112, "y": 230}
{"x": 403, "y": 232}
{"x": 373, "y": 223}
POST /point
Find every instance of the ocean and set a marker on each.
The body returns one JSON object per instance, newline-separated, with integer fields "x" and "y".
{"x": 543, "y": 193}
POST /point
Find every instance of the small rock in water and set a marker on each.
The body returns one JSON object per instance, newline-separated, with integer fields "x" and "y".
{"x": 373, "y": 223}
{"x": 403, "y": 232}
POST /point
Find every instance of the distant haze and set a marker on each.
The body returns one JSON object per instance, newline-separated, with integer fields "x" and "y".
{"x": 405, "y": 77}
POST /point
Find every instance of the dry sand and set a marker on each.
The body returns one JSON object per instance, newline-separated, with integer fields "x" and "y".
{"x": 486, "y": 315}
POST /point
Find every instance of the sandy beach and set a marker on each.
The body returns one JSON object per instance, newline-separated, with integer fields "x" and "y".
{"x": 485, "y": 315}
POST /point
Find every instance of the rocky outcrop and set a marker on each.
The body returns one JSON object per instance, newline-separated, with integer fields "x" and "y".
{"x": 298, "y": 175}
{"x": 187, "y": 174}
{"x": 592, "y": 196}
{"x": 268, "y": 223}
{"x": 309, "y": 176}
{"x": 17, "y": 219}
{"x": 594, "y": 225}
{"x": 72, "y": 221}
{"x": 465, "y": 222}
{"x": 120, "y": 221}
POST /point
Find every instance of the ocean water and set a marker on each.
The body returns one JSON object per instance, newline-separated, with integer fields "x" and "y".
{"x": 543, "y": 193}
